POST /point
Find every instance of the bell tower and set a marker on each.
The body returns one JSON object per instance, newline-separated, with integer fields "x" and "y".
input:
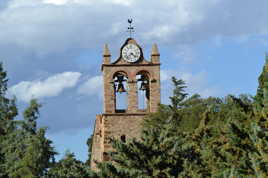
{"x": 129, "y": 74}
{"x": 131, "y": 91}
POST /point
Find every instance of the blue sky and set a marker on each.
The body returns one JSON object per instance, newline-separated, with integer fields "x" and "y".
{"x": 52, "y": 50}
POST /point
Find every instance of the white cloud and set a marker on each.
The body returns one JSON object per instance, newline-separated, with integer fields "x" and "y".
{"x": 52, "y": 86}
{"x": 162, "y": 32}
{"x": 187, "y": 21}
{"x": 48, "y": 26}
{"x": 93, "y": 86}
{"x": 56, "y": 26}
{"x": 122, "y": 2}
{"x": 63, "y": 2}
{"x": 57, "y": 2}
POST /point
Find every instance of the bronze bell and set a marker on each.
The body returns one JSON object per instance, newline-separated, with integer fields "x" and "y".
{"x": 120, "y": 88}
{"x": 144, "y": 86}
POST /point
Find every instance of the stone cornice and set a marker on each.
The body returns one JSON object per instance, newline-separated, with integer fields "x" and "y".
{"x": 125, "y": 114}
{"x": 134, "y": 65}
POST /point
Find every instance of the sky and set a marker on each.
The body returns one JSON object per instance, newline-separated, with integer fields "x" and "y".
{"x": 52, "y": 51}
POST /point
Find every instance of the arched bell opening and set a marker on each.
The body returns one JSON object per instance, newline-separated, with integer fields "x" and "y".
{"x": 120, "y": 91}
{"x": 143, "y": 86}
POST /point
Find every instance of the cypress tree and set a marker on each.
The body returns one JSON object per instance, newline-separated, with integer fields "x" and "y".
{"x": 8, "y": 111}
{"x": 28, "y": 153}
{"x": 261, "y": 97}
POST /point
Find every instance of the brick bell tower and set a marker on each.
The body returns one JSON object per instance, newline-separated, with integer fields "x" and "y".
{"x": 131, "y": 91}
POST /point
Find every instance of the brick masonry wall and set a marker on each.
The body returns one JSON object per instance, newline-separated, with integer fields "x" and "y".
{"x": 97, "y": 146}
{"x": 117, "y": 125}
{"x": 113, "y": 126}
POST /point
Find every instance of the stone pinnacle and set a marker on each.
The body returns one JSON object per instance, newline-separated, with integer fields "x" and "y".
{"x": 106, "y": 51}
{"x": 155, "y": 50}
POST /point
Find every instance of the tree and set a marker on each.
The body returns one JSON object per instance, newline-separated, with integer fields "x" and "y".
{"x": 261, "y": 97}
{"x": 69, "y": 167}
{"x": 28, "y": 153}
{"x": 8, "y": 111}
{"x": 157, "y": 154}
{"x": 31, "y": 114}
{"x": 186, "y": 111}
{"x": 222, "y": 140}
{"x": 178, "y": 94}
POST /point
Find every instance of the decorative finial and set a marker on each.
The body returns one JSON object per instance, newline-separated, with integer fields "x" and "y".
{"x": 130, "y": 28}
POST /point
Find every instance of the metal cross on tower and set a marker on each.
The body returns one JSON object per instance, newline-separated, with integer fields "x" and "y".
{"x": 130, "y": 28}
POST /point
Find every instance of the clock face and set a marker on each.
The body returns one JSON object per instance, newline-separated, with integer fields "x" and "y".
{"x": 131, "y": 53}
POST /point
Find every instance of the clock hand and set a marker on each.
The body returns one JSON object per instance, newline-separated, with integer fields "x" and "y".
{"x": 131, "y": 54}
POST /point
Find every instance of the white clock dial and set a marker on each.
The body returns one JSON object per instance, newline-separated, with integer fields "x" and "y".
{"x": 131, "y": 53}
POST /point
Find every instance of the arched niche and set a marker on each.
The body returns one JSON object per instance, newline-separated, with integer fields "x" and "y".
{"x": 143, "y": 90}
{"x": 120, "y": 80}
{"x": 123, "y": 138}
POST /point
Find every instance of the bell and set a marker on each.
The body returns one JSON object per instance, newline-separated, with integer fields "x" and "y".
{"x": 120, "y": 88}
{"x": 144, "y": 86}
{"x": 120, "y": 78}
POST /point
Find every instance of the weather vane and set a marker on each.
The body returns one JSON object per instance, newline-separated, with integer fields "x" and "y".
{"x": 130, "y": 28}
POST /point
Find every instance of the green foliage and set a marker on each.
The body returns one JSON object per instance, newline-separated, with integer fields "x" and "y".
{"x": 69, "y": 167}
{"x": 8, "y": 111}
{"x": 223, "y": 142}
{"x": 27, "y": 152}
{"x": 261, "y": 97}
{"x": 188, "y": 111}
{"x": 178, "y": 93}
{"x": 31, "y": 114}
{"x": 159, "y": 153}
